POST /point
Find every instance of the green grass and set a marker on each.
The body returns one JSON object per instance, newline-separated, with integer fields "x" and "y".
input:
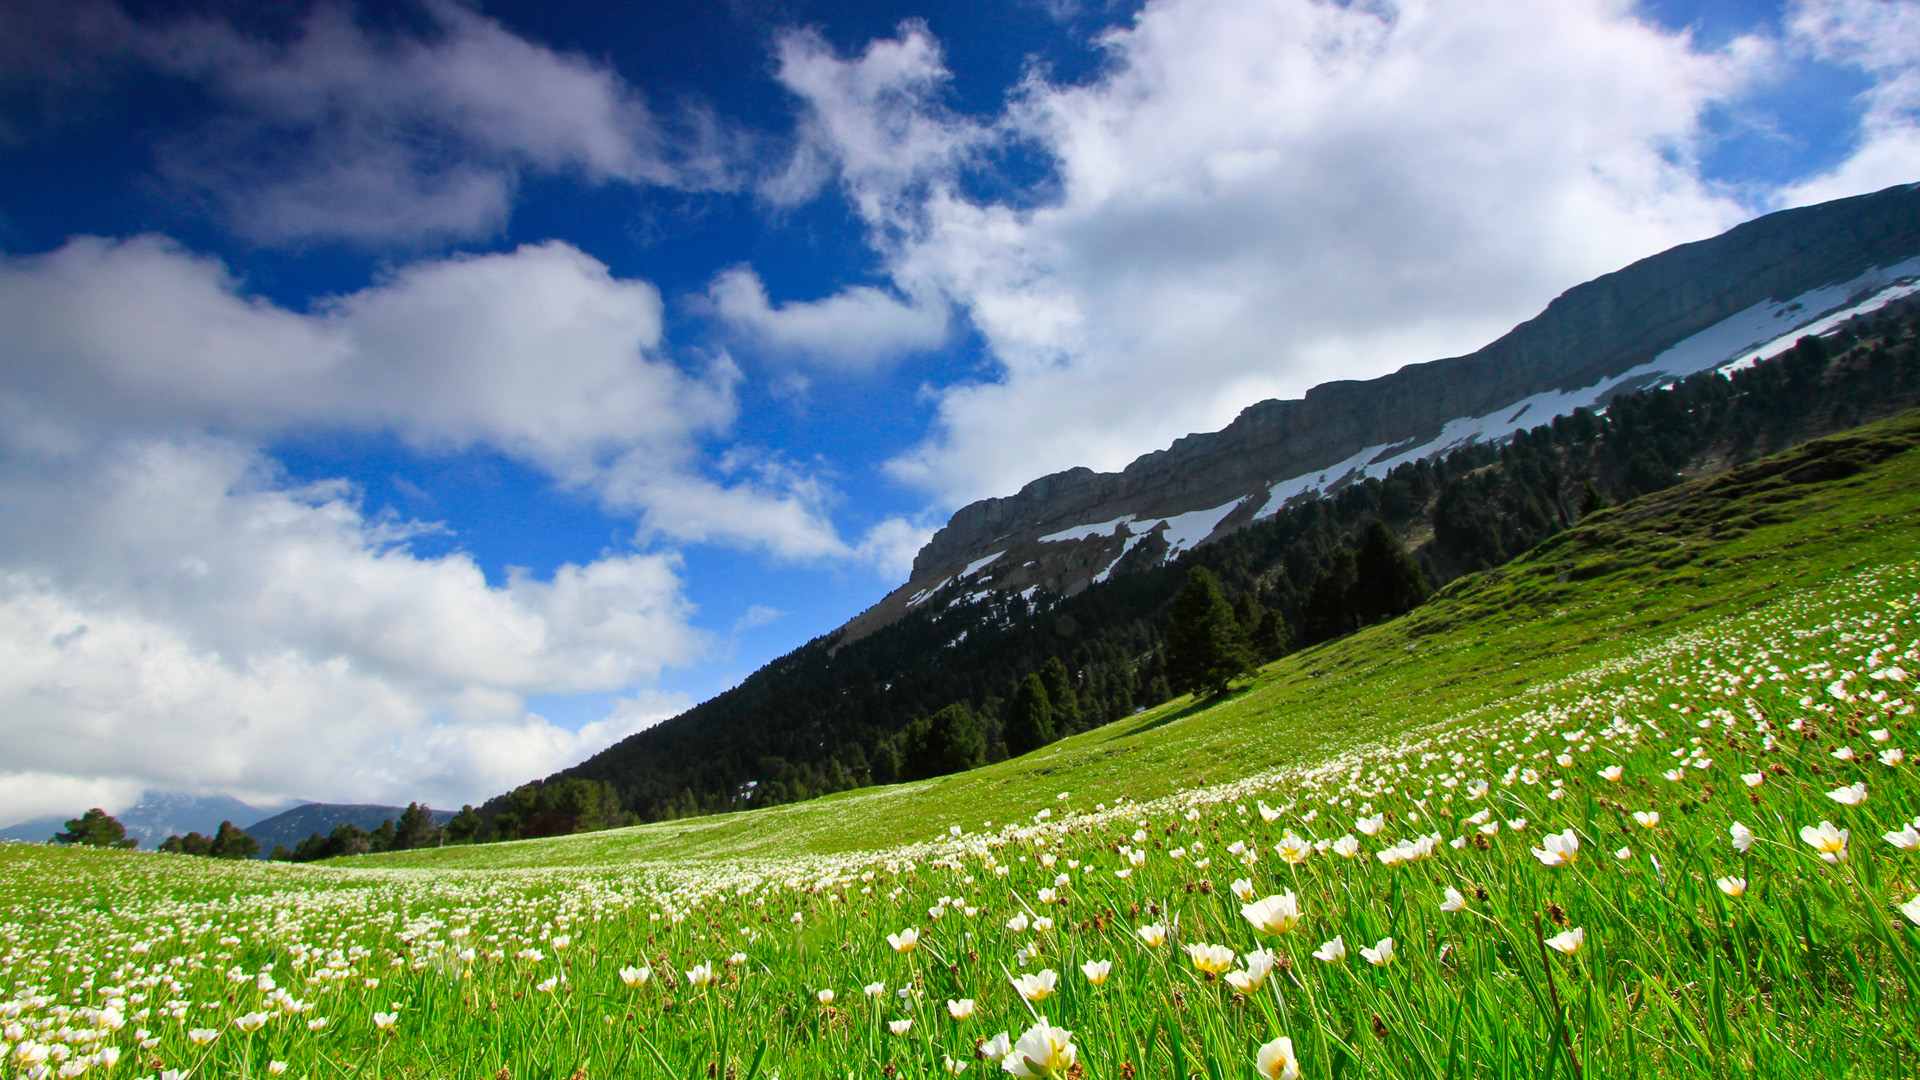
{"x": 1748, "y": 625}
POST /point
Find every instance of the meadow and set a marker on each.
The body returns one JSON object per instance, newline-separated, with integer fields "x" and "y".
{"x": 1639, "y": 803}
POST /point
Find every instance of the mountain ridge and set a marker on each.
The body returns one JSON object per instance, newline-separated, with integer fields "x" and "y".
{"x": 1596, "y": 340}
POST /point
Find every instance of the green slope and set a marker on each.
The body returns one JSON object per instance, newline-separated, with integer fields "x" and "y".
{"x": 1660, "y": 565}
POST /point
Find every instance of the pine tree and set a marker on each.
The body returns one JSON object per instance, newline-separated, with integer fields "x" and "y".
{"x": 416, "y": 829}
{"x": 1270, "y": 639}
{"x": 1030, "y": 719}
{"x": 232, "y": 843}
{"x": 1387, "y": 582}
{"x": 1591, "y": 501}
{"x": 465, "y": 826}
{"x": 1328, "y": 612}
{"x": 1067, "y": 714}
{"x": 949, "y": 741}
{"x": 96, "y": 828}
{"x": 1205, "y": 646}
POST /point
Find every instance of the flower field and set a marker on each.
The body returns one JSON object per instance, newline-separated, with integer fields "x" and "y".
{"x": 1697, "y": 854}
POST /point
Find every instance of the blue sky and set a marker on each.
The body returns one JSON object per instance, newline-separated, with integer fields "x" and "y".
{"x": 404, "y": 400}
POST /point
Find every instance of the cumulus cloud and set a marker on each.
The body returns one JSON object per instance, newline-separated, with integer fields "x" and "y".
{"x": 1257, "y": 197}
{"x": 387, "y": 137}
{"x": 1882, "y": 39}
{"x": 856, "y": 330}
{"x": 178, "y": 614}
{"x": 174, "y": 618}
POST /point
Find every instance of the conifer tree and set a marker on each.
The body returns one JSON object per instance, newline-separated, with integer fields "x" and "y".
{"x": 232, "y": 843}
{"x": 1061, "y": 696}
{"x": 96, "y": 828}
{"x": 416, "y": 829}
{"x": 1387, "y": 582}
{"x": 1328, "y": 612}
{"x": 465, "y": 826}
{"x": 1030, "y": 719}
{"x": 1591, "y": 501}
{"x": 1205, "y": 645}
{"x": 949, "y": 741}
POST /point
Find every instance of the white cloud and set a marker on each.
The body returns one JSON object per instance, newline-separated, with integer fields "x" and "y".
{"x": 856, "y": 330}
{"x": 1882, "y": 39}
{"x": 891, "y": 545}
{"x": 340, "y": 132}
{"x": 175, "y": 614}
{"x": 540, "y": 353}
{"x": 1257, "y": 197}
{"x": 174, "y": 619}
{"x": 757, "y": 615}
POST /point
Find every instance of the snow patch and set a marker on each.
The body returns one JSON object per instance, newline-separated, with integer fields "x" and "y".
{"x": 1124, "y": 548}
{"x": 921, "y": 596}
{"x": 977, "y": 564}
{"x": 1082, "y": 532}
{"x": 1185, "y": 531}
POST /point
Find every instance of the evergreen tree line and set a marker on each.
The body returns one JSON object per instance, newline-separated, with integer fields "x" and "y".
{"x": 949, "y": 687}
{"x": 414, "y": 829}
{"x": 228, "y": 842}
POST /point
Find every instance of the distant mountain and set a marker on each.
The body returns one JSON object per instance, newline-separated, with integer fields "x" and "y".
{"x": 158, "y": 815}
{"x": 1697, "y": 307}
{"x": 297, "y": 824}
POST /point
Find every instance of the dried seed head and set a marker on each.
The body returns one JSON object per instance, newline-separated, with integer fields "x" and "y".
{"x": 1556, "y": 914}
{"x": 1379, "y": 1028}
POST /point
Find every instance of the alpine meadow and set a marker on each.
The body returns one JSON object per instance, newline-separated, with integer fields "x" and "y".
{"x": 1137, "y": 540}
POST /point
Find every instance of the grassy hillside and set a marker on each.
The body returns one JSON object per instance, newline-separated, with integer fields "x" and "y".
{"x": 1637, "y": 803}
{"x": 1663, "y": 564}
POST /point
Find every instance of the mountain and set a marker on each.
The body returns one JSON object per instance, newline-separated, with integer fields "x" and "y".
{"x": 1751, "y": 291}
{"x": 1062, "y": 571}
{"x": 297, "y": 824}
{"x": 158, "y": 815}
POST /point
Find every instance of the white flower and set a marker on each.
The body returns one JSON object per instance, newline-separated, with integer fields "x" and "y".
{"x": 1569, "y": 942}
{"x": 1911, "y": 909}
{"x": 1612, "y": 772}
{"x": 1830, "y": 842}
{"x": 960, "y": 1010}
{"x": 1037, "y": 987}
{"x": 1880, "y": 735}
{"x": 1276, "y": 1061}
{"x": 1742, "y": 837}
{"x": 1752, "y": 779}
{"x": 1381, "y": 954}
{"x": 1623, "y": 854}
{"x": 1851, "y": 795}
{"x": 1210, "y": 958}
{"x": 1648, "y": 819}
{"x": 899, "y": 1027}
{"x": 1732, "y": 886}
{"x": 1153, "y": 934}
{"x": 1044, "y": 1051}
{"x": 1347, "y": 846}
{"x": 1453, "y": 902}
{"x": 1892, "y": 756}
{"x": 1907, "y": 839}
{"x": 701, "y": 975}
{"x": 635, "y": 976}
{"x": 385, "y": 1020}
{"x": 1558, "y": 849}
{"x": 1331, "y": 952}
{"x": 1273, "y": 915}
{"x": 905, "y": 941}
{"x": 1371, "y": 825}
{"x": 996, "y": 1048}
{"x": 1097, "y": 971}
{"x": 1242, "y": 888}
{"x": 953, "y": 1068}
{"x": 874, "y": 989}
{"x": 1018, "y": 924}
{"x": 202, "y": 1036}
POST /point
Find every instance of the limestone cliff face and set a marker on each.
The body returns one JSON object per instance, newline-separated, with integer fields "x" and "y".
{"x": 1656, "y": 319}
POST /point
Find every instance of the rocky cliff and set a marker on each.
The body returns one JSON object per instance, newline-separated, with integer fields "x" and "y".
{"x": 1750, "y": 291}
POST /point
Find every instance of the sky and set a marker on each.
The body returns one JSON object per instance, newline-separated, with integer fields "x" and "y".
{"x": 406, "y": 400}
